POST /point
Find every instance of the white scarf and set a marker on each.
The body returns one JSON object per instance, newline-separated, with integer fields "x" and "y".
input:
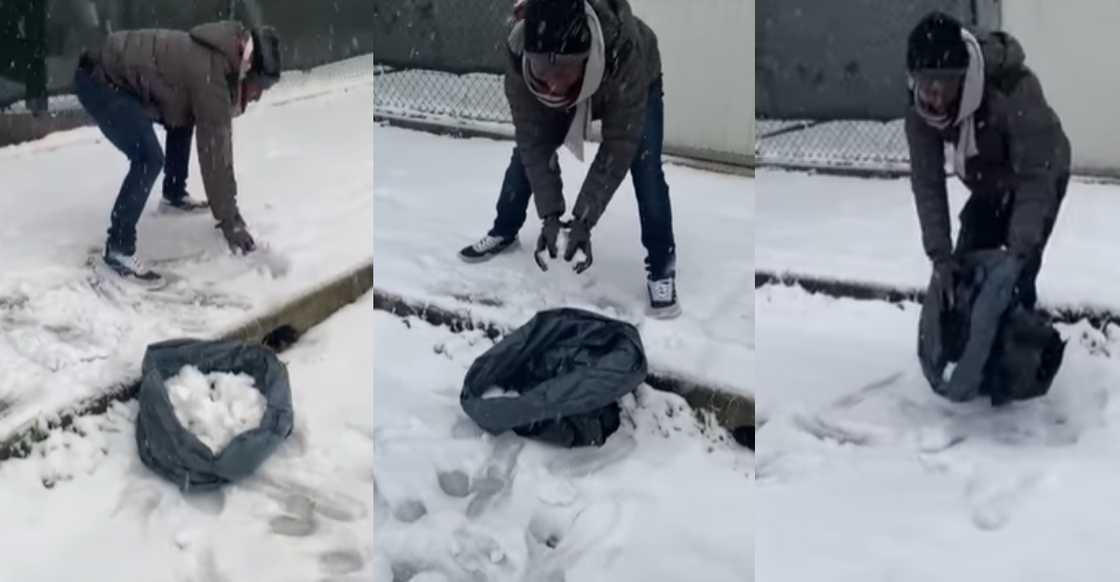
{"x": 972, "y": 94}
{"x": 592, "y": 79}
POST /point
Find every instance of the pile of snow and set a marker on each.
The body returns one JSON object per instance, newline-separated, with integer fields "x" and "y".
{"x": 499, "y": 392}
{"x": 217, "y": 406}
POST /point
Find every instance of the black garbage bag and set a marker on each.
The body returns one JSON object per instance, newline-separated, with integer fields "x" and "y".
{"x": 1000, "y": 349}
{"x": 174, "y": 452}
{"x": 567, "y": 369}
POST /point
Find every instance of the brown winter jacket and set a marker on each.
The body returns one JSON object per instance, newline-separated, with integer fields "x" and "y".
{"x": 1022, "y": 149}
{"x": 184, "y": 79}
{"x": 632, "y": 64}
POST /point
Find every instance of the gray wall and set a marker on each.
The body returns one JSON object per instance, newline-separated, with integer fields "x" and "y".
{"x": 842, "y": 59}
{"x": 455, "y": 36}
{"x": 313, "y": 32}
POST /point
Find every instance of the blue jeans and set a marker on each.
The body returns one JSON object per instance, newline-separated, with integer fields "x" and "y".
{"x": 654, "y": 209}
{"x": 123, "y": 121}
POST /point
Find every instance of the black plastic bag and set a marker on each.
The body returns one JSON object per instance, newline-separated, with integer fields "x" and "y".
{"x": 568, "y": 368}
{"x": 174, "y": 452}
{"x": 1000, "y": 349}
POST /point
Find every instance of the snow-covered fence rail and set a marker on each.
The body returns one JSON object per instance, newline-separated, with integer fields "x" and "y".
{"x": 733, "y": 411}
{"x": 1098, "y": 317}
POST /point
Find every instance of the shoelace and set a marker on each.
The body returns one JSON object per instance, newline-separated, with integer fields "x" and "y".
{"x": 488, "y": 242}
{"x": 661, "y": 290}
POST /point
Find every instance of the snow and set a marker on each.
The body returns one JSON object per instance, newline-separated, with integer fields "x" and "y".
{"x": 867, "y": 230}
{"x": 305, "y": 515}
{"x": 304, "y": 163}
{"x": 435, "y": 195}
{"x": 216, "y": 407}
{"x": 864, "y": 469}
{"x": 454, "y": 503}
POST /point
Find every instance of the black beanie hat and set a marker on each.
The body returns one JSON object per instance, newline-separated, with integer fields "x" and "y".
{"x": 556, "y": 27}
{"x": 936, "y": 44}
{"x": 266, "y": 53}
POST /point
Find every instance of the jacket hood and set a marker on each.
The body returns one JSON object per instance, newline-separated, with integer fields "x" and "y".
{"x": 224, "y": 37}
{"x": 615, "y": 19}
{"x": 1002, "y": 52}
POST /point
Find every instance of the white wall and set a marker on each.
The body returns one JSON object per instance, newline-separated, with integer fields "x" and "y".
{"x": 1072, "y": 46}
{"x": 707, "y": 53}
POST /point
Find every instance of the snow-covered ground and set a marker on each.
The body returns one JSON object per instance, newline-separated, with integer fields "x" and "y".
{"x": 867, "y": 230}
{"x": 304, "y": 163}
{"x": 665, "y": 499}
{"x": 865, "y": 474}
{"x": 435, "y": 195}
{"x": 83, "y": 507}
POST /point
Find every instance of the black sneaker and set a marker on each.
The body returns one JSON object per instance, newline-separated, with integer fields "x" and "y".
{"x": 663, "y": 298}
{"x": 487, "y": 248}
{"x": 183, "y": 204}
{"x": 129, "y": 266}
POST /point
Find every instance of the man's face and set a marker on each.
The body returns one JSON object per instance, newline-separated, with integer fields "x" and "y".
{"x": 561, "y": 79}
{"x": 251, "y": 91}
{"x": 939, "y": 95}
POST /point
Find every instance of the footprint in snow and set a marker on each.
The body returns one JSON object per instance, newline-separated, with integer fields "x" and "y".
{"x": 409, "y": 511}
{"x": 583, "y": 462}
{"x": 341, "y": 562}
{"x": 994, "y": 501}
{"x": 479, "y": 553}
{"x": 208, "y": 502}
{"x": 289, "y": 526}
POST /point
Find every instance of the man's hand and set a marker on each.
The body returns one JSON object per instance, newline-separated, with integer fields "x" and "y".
{"x": 946, "y": 271}
{"x": 579, "y": 239}
{"x": 238, "y": 237}
{"x": 547, "y": 241}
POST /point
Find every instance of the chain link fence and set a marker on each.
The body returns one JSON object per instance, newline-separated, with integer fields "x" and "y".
{"x": 435, "y": 94}
{"x": 868, "y": 146}
{"x": 845, "y": 145}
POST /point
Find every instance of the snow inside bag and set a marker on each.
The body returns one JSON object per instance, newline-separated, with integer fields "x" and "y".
{"x": 987, "y": 344}
{"x": 558, "y": 378}
{"x": 216, "y": 407}
{"x": 176, "y": 392}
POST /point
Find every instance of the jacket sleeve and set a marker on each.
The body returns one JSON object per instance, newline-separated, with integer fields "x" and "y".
{"x": 623, "y": 122}
{"x": 1038, "y": 153}
{"x": 214, "y": 136}
{"x": 538, "y": 132}
{"x": 927, "y": 180}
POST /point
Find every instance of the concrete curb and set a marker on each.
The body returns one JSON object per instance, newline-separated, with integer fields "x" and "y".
{"x": 732, "y": 410}
{"x": 497, "y": 131}
{"x": 300, "y": 314}
{"x": 865, "y": 291}
{"x": 18, "y": 128}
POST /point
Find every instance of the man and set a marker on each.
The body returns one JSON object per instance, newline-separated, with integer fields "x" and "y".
{"x": 971, "y": 89}
{"x": 571, "y": 61}
{"x": 187, "y": 82}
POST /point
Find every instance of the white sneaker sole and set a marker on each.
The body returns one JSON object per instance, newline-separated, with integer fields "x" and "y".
{"x": 107, "y": 270}
{"x": 487, "y": 257}
{"x": 165, "y": 208}
{"x": 671, "y": 312}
